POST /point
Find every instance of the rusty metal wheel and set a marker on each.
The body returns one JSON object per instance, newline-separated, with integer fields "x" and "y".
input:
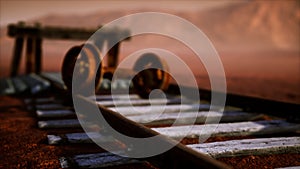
{"x": 85, "y": 57}
{"x": 152, "y": 74}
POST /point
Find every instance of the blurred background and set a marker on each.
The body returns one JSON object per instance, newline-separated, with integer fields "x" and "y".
{"x": 258, "y": 41}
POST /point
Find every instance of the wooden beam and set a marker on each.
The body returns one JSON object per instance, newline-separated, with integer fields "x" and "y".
{"x": 66, "y": 33}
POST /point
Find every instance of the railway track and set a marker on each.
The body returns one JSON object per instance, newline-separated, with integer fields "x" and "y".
{"x": 248, "y": 126}
{"x": 241, "y": 131}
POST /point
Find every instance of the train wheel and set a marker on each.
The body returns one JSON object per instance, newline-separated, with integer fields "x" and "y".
{"x": 85, "y": 57}
{"x": 152, "y": 74}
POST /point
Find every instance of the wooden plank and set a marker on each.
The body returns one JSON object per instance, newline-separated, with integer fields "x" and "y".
{"x": 99, "y": 160}
{"x": 105, "y": 84}
{"x": 70, "y": 123}
{"x": 44, "y": 99}
{"x": 45, "y": 83}
{"x": 55, "y": 79}
{"x": 79, "y": 138}
{"x": 139, "y": 110}
{"x": 50, "y": 106}
{"x": 115, "y": 97}
{"x": 41, "y": 100}
{"x": 8, "y": 87}
{"x": 222, "y": 129}
{"x": 259, "y": 146}
{"x": 19, "y": 85}
{"x": 189, "y": 117}
{"x": 54, "y": 113}
{"x": 120, "y": 84}
{"x": 162, "y": 119}
{"x": 230, "y": 129}
{"x": 35, "y": 83}
{"x": 139, "y": 102}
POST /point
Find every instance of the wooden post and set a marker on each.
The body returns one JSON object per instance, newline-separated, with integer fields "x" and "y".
{"x": 38, "y": 55}
{"x": 30, "y": 48}
{"x": 17, "y": 56}
{"x": 113, "y": 54}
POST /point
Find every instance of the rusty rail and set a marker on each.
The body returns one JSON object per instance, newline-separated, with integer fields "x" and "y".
{"x": 179, "y": 156}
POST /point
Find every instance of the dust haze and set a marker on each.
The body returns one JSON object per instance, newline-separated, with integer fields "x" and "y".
{"x": 258, "y": 43}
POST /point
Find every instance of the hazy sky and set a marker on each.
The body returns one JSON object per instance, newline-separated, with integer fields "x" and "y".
{"x": 12, "y": 11}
